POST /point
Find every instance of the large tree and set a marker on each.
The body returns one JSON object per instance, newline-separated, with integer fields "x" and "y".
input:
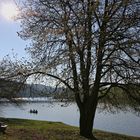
{"x": 91, "y": 46}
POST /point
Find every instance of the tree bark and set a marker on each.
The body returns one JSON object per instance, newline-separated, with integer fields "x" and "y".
{"x": 87, "y": 115}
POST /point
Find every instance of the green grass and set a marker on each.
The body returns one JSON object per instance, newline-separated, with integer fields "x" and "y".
{"x": 20, "y": 129}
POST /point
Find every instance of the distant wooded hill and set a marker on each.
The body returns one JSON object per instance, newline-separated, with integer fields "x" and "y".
{"x": 36, "y": 90}
{"x": 13, "y": 89}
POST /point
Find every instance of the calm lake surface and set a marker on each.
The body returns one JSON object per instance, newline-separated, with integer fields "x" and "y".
{"x": 125, "y": 123}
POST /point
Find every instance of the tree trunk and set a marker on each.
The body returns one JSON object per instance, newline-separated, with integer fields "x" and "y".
{"x": 86, "y": 121}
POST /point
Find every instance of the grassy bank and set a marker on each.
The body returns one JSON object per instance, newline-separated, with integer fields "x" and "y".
{"x": 19, "y": 129}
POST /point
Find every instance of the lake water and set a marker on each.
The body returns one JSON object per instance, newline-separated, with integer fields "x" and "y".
{"x": 125, "y": 123}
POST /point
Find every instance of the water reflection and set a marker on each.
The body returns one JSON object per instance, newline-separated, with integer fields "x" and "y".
{"x": 125, "y": 123}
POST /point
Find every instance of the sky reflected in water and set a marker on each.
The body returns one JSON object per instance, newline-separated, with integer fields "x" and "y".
{"x": 125, "y": 123}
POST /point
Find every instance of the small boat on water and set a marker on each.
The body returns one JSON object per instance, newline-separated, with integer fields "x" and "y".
{"x": 33, "y": 111}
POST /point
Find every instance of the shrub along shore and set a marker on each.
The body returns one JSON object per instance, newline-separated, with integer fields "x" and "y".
{"x": 21, "y": 129}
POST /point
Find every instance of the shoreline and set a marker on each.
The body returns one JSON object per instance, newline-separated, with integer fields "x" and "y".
{"x": 46, "y": 130}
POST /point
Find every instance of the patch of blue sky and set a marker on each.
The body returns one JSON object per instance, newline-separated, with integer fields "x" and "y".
{"x": 10, "y": 42}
